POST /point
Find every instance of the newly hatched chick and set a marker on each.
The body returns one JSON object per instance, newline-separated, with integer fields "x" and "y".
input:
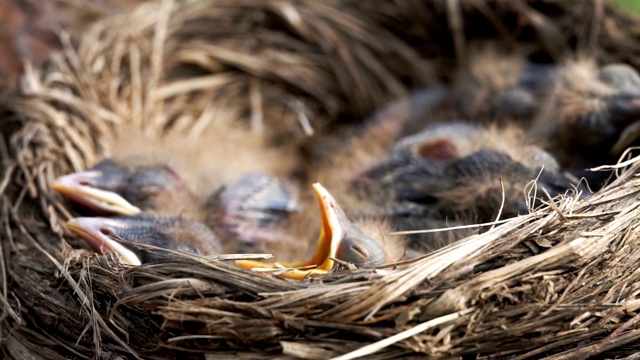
{"x": 454, "y": 173}
{"x": 592, "y": 117}
{"x": 257, "y": 212}
{"x": 461, "y": 169}
{"x": 252, "y": 214}
{"x": 165, "y": 232}
{"x": 122, "y": 188}
{"x": 339, "y": 239}
{"x": 157, "y": 200}
{"x": 263, "y": 214}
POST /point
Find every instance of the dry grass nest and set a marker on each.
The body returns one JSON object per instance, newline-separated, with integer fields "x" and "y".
{"x": 561, "y": 282}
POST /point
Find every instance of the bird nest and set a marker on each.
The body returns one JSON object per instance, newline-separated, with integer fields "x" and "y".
{"x": 560, "y": 282}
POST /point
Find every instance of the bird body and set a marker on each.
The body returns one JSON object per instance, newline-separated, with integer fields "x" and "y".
{"x": 339, "y": 238}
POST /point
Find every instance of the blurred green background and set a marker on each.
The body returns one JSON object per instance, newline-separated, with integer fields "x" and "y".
{"x": 633, "y": 6}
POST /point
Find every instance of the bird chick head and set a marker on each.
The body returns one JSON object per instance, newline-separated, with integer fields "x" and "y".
{"x": 164, "y": 232}
{"x": 339, "y": 239}
{"x": 113, "y": 188}
{"x": 95, "y": 189}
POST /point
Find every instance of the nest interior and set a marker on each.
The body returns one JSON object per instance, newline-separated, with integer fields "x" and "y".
{"x": 290, "y": 66}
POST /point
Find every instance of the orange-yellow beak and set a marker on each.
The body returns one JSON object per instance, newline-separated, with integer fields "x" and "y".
{"x": 337, "y": 238}
{"x": 76, "y": 188}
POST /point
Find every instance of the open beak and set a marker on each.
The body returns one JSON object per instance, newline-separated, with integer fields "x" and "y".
{"x": 95, "y": 231}
{"x": 77, "y": 188}
{"x": 331, "y": 243}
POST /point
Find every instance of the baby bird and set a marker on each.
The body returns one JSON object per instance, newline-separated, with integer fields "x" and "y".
{"x": 592, "y": 117}
{"x": 460, "y": 168}
{"x": 151, "y": 200}
{"x": 114, "y": 187}
{"x": 251, "y": 214}
{"x": 263, "y": 214}
{"x": 166, "y": 232}
{"x": 339, "y": 239}
{"x": 455, "y": 173}
{"x": 257, "y": 211}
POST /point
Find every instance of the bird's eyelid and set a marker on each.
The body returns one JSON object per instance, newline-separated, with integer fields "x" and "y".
{"x": 361, "y": 250}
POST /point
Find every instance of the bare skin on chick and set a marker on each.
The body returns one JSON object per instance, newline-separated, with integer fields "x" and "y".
{"x": 593, "y": 116}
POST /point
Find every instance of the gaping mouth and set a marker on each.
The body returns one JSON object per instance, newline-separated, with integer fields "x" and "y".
{"x": 331, "y": 234}
{"x": 95, "y": 231}
{"x": 77, "y": 188}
